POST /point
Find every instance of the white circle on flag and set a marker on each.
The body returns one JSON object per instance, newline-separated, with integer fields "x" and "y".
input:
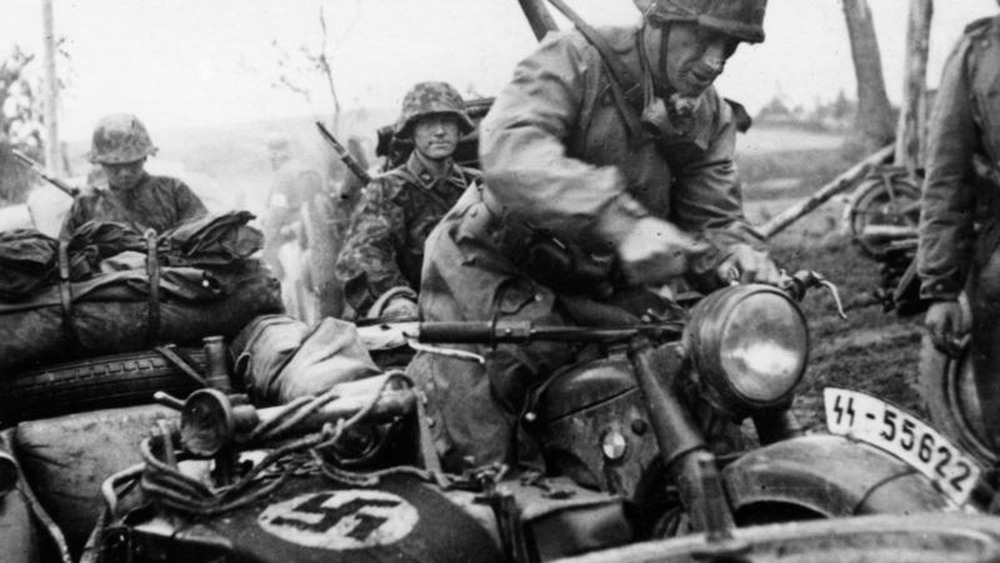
{"x": 341, "y": 519}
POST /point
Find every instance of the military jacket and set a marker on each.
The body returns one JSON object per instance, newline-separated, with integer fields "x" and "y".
{"x": 557, "y": 155}
{"x": 385, "y": 242}
{"x": 557, "y": 152}
{"x": 156, "y": 202}
{"x": 965, "y": 122}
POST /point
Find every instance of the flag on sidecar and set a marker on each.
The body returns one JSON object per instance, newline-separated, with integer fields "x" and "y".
{"x": 317, "y": 520}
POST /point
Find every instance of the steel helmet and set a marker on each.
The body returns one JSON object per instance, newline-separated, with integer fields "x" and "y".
{"x": 742, "y": 19}
{"x": 428, "y": 98}
{"x": 120, "y": 138}
{"x": 276, "y": 142}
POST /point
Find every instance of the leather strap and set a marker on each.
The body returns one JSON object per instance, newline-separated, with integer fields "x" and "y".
{"x": 66, "y": 295}
{"x": 153, "y": 272}
{"x": 625, "y": 89}
{"x": 178, "y": 359}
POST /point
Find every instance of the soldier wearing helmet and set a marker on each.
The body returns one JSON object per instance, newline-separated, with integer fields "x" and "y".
{"x": 381, "y": 260}
{"x": 959, "y": 246}
{"x": 607, "y": 167}
{"x": 130, "y": 195}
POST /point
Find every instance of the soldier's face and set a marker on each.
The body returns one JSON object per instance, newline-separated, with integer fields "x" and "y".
{"x": 436, "y": 136}
{"x": 124, "y": 176}
{"x": 695, "y": 57}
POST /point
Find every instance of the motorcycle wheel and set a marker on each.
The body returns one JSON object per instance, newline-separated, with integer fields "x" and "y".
{"x": 948, "y": 388}
{"x": 887, "y": 200}
{"x": 118, "y": 380}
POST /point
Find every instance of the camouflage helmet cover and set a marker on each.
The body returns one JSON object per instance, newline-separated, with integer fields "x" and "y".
{"x": 742, "y": 19}
{"x": 120, "y": 138}
{"x": 428, "y": 98}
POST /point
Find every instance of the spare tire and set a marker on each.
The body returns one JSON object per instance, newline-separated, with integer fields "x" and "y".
{"x": 948, "y": 388}
{"x": 118, "y": 380}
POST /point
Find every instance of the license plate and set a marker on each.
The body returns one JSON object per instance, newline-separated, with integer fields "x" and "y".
{"x": 890, "y": 428}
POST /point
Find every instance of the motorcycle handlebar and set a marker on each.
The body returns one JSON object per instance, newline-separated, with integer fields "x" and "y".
{"x": 799, "y": 283}
{"x": 471, "y": 332}
{"x": 488, "y": 332}
{"x": 496, "y": 332}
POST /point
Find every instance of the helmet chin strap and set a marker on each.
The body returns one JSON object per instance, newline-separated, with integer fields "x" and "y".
{"x": 665, "y": 110}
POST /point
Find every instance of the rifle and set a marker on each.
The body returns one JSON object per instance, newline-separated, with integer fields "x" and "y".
{"x": 345, "y": 156}
{"x": 37, "y": 168}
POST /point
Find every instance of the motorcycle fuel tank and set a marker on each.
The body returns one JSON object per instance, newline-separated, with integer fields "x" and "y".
{"x": 593, "y": 426}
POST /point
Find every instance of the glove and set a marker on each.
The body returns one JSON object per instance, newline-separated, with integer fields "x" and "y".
{"x": 944, "y": 324}
{"x": 745, "y": 264}
{"x": 655, "y": 251}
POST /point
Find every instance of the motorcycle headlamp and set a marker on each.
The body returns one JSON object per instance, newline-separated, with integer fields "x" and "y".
{"x": 750, "y": 345}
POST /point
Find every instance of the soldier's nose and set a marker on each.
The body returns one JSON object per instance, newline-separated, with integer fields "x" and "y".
{"x": 715, "y": 57}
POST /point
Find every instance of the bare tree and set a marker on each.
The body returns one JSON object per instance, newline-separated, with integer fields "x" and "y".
{"x": 20, "y": 122}
{"x": 322, "y": 215}
{"x": 298, "y": 70}
{"x": 874, "y": 125}
{"x": 913, "y": 114}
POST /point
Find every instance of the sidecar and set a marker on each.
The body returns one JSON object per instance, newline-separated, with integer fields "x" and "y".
{"x": 863, "y": 539}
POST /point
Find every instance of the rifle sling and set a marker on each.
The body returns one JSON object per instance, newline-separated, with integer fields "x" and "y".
{"x": 625, "y": 89}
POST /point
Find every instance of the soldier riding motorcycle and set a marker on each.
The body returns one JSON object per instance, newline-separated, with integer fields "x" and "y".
{"x": 643, "y": 428}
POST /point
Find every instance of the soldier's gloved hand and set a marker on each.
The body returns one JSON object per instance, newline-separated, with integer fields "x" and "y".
{"x": 655, "y": 252}
{"x": 401, "y": 308}
{"x": 944, "y": 323}
{"x": 746, "y": 264}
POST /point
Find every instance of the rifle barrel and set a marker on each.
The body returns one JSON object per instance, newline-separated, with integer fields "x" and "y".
{"x": 37, "y": 169}
{"x": 345, "y": 156}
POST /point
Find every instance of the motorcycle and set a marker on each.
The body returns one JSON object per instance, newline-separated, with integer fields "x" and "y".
{"x": 638, "y": 444}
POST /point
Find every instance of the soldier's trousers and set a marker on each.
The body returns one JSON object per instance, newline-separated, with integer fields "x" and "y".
{"x": 984, "y": 300}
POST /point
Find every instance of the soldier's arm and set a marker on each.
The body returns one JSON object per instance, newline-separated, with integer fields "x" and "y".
{"x": 188, "y": 204}
{"x": 947, "y": 206}
{"x": 367, "y": 264}
{"x": 525, "y": 161}
{"x": 707, "y": 195}
{"x": 707, "y": 200}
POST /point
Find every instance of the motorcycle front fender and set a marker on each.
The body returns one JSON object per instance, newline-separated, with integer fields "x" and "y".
{"x": 829, "y": 476}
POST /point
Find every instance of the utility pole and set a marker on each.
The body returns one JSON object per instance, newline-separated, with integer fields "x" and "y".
{"x": 50, "y": 93}
{"x": 910, "y": 131}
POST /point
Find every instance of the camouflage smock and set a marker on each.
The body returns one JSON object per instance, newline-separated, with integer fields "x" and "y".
{"x": 556, "y": 152}
{"x": 385, "y": 242}
{"x": 965, "y": 122}
{"x": 156, "y": 202}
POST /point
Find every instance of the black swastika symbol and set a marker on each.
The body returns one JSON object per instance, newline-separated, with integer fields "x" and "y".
{"x": 367, "y": 523}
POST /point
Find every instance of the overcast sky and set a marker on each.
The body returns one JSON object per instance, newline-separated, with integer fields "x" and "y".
{"x": 179, "y": 63}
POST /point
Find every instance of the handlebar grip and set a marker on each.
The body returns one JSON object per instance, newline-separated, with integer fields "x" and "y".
{"x": 473, "y": 332}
